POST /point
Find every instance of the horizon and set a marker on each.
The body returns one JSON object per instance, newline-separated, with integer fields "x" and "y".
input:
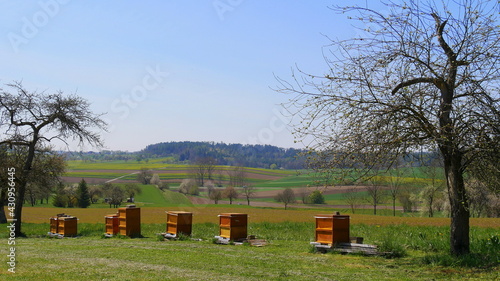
{"x": 209, "y": 142}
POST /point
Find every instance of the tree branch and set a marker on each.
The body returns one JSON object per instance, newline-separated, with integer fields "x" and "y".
{"x": 415, "y": 81}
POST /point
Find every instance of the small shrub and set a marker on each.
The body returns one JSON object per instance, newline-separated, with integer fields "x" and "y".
{"x": 391, "y": 248}
{"x": 313, "y": 249}
{"x": 316, "y": 197}
{"x": 164, "y": 186}
{"x": 183, "y": 237}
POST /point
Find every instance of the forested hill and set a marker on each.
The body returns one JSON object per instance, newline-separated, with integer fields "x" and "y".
{"x": 258, "y": 156}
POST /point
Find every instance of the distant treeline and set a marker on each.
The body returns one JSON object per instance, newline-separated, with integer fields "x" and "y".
{"x": 187, "y": 152}
{"x": 257, "y": 156}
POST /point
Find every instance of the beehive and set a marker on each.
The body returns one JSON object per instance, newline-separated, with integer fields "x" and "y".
{"x": 130, "y": 221}
{"x": 233, "y": 226}
{"x": 67, "y": 226}
{"x": 112, "y": 224}
{"x": 53, "y": 225}
{"x": 179, "y": 222}
{"x": 331, "y": 229}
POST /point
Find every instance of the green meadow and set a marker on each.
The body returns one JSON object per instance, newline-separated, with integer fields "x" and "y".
{"x": 412, "y": 253}
{"x": 412, "y": 247}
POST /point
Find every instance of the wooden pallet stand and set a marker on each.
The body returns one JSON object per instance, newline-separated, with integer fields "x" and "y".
{"x": 257, "y": 242}
{"x": 251, "y": 240}
{"x": 347, "y": 248}
{"x": 223, "y": 240}
{"x": 55, "y": 235}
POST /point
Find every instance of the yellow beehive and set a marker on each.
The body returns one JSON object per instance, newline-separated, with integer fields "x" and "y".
{"x": 331, "y": 229}
{"x": 233, "y": 226}
{"x": 130, "y": 221}
{"x": 112, "y": 224}
{"x": 67, "y": 226}
{"x": 179, "y": 222}
{"x": 53, "y": 225}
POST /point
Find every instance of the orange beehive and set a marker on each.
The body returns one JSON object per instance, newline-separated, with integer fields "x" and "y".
{"x": 130, "y": 221}
{"x": 53, "y": 225}
{"x": 67, "y": 226}
{"x": 233, "y": 226}
{"x": 112, "y": 224}
{"x": 179, "y": 222}
{"x": 331, "y": 229}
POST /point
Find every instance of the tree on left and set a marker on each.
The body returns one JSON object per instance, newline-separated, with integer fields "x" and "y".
{"x": 33, "y": 120}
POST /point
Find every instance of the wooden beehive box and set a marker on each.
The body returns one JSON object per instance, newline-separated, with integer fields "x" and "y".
{"x": 130, "y": 221}
{"x": 112, "y": 224}
{"x": 179, "y": 222}
{"x": 53, "y": 225}
{"x": 331, "y": 229}
{"x": 233, "y": 226}
{"x": 67, "y": 226}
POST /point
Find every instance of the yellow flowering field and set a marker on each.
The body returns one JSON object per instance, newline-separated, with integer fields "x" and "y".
{"x": 202, "y": 214}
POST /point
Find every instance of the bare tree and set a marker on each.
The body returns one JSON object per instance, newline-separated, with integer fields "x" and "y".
{"x": 433, "y": 191}
{"x": 215, "y": 194}
{"x": 204, "y": 168}
{"x": 286, "y": 197}
{"x": 395, "y": 186}
{"x": 31, "y": 119}
{"x": 304, "y": 195}
{"x": 248, "y": 192}
{"x": 237, "y": 176}
{"x": 353, "y": 198}
{"x": 422, "y": 76}
{"x": 376, "y": 194}
{"x": 478, "y": 198}
{"x": 219, "y": 178}
{"x": 230, "y": 193}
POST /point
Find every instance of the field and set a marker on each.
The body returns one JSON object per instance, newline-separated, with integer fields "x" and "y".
{"x": 268, "y": 182}
{"x": 288, "y": 256}
{"x": 99, "y": 172}
{"x": 416, "y": 247}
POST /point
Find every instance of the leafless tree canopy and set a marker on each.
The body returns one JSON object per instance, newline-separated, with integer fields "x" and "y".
{"x": 286, "y": 197}
{"x": 421, "y": 76}
{"x": 36, "y": 116}
{"x": 33, "y": 119}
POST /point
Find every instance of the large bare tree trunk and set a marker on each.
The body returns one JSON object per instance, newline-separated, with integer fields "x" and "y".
{"x": 3, "y": 218}
{"x": 459, "y": 236}
{"x": 23, "y": 182}
{"x": 21, "y": 191}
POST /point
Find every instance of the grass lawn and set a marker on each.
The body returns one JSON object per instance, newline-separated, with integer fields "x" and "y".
{"x": 287, "y": 257}
{"x": 151, "y": 196}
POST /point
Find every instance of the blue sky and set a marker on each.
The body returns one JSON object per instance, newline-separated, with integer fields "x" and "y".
{"x": 171, "y": 70}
